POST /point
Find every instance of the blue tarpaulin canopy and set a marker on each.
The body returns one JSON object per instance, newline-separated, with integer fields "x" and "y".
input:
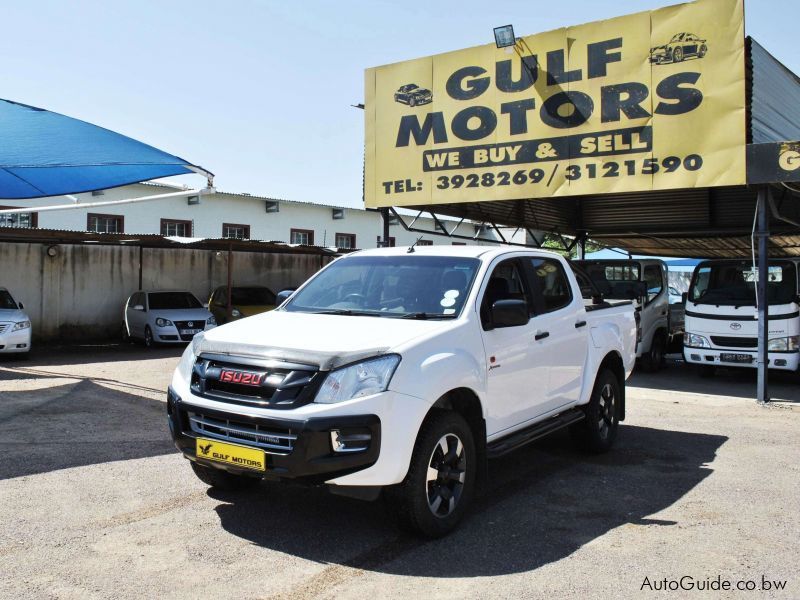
{"x": 47, "y": 154}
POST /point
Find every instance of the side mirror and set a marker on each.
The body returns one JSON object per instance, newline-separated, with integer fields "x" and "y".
{"x": 684, "y": 297}
{"x": 20, "y": 304}
{"x": 205, "y": 305}
{"x": 283, "y": 295}
{"x": 138, "y": 307}
{"x": 510, "y": 313}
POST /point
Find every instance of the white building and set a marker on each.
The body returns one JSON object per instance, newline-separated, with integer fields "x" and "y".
{"x": 223, "y": 215}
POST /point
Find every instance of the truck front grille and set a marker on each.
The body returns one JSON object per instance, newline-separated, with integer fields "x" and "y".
{"x": 275, "y": 442}
{"x": 254, "y": 382}
{"x": 734, "y": 342}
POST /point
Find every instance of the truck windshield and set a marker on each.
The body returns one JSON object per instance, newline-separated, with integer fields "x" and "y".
{"x": 389, "y": 286}
{"x": 734, "y": 284}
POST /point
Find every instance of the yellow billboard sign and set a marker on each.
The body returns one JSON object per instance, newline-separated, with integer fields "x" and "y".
{"x": 649, "y": 101}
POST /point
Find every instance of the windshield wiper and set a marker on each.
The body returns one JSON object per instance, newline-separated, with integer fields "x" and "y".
{"x": 425, "y": 315}
{"x": 347, "y": 312}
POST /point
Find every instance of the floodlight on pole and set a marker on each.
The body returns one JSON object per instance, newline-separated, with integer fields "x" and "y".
{"x": 504, "y": 36}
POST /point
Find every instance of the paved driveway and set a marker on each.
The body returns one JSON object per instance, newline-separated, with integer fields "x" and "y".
{"x": 95, "y": 502}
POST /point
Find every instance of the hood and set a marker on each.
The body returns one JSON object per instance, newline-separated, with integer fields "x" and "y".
{"x": 326, "y": 341}
{"x": 12, "y": 314}
{"x": 181, "y": 314}
{"x": 741, "y": 321}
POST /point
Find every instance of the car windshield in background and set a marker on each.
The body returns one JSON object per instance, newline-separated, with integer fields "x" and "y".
{"x": 254, "y": 296}
{"x": 391, "y": 286}
{"x": 734, "y": 284}
{"x": 173, "y": 300}
{"x": 6, "y": 301}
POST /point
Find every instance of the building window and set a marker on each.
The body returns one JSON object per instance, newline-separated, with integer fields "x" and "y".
{"x": 177, "y": 228}
{"x": 345, "y": 240}
{"x": 30, "y": 219}
{"x": 425, "y": 243}
{"x": 105, "y": 223}
{"x": 301, "y": 236}
{"x": 234, "y": 231}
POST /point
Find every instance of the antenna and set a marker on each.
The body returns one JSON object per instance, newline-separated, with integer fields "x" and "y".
{"x": 411, "y": 247}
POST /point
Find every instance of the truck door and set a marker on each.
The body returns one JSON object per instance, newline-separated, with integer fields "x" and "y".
{"x": 517, "y": 377}
{"x": 655, "y": 312}
{"x": 561, "y": 315}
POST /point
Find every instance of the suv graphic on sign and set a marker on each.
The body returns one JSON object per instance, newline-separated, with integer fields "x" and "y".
{"x": 680, "y": 47}
{"x": 413, "y": 95}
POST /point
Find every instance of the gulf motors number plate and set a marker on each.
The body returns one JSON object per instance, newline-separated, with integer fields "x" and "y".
{"x": 735, "y": 358}
{"x": 190, "y": 331}
{"x": 231, "y": 454}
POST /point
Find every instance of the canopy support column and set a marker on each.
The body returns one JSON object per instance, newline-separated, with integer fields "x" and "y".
{"x": 230, "y": 277}
{"x": 762, "y": 234}
{"x": 140, "y": 268}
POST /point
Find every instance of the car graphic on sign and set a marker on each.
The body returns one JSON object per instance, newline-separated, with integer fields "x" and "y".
{"x": 413, "y": 95}
{"x": 681, "y": 46}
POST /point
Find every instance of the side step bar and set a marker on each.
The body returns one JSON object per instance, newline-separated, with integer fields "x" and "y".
{"x": 534, "y": 432}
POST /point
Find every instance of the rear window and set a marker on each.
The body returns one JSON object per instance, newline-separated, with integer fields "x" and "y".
{"x": 255, "y": 296}
{"x": 177, "y": 300}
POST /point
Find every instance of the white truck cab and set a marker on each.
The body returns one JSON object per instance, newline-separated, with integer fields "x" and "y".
{"x": 722, "y": 318}
{"x": 646, "y": 282}
{"x": 402, "y": 370}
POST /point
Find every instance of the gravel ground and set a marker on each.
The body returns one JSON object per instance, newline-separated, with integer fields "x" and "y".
{"x": 96, "y": 503}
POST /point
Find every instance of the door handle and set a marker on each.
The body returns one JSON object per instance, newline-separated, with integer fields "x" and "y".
{"x": 541, "y": 336}
{"x": 580, "y": 324}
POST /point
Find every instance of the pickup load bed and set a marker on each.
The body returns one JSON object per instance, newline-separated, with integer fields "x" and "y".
{"x": 402, "y": 371}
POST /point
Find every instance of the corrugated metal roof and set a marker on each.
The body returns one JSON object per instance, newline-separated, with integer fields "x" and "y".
{"x": 58, "y": 236}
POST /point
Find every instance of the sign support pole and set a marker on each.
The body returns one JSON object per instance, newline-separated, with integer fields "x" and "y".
{"x": 762, "y": 233}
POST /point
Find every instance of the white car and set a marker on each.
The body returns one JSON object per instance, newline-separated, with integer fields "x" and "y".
{"x": 15, "y": 325}
{"x": 405, "y": 369}
{"x": 167, "y": 317}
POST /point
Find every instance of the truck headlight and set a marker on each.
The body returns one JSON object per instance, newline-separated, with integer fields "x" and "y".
{"x": 236, "y": 313}
{"x": 784, "y": 344}
{"x": 163, "y": 322}
{"x": 355, "y": 381}
{"x": 21, "y": 325}
{"x": 186, "y": 364}
{"x": 692, "y": 340}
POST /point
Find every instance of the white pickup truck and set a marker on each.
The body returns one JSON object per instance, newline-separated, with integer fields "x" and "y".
{"x": 404, "y": 370}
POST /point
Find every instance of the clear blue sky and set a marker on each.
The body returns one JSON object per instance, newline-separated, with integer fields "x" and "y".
{"x": 260, "y": 92}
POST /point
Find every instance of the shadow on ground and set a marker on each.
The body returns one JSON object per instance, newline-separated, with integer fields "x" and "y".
{"x": 542, "y": 503}
{"x": 79, "y": 354}
{"x": 75, "y": 424}
{"x": 740, "y": 383}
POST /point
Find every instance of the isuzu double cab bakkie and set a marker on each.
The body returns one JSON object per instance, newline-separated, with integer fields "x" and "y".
{"x": 404, "y": 370}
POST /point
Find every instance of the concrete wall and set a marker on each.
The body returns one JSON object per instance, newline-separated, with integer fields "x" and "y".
{"x": 80, "y": 292}
{"x": 215, "y": 209}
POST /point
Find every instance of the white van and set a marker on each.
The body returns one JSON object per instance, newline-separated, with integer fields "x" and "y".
{"x": 722, "y": 319}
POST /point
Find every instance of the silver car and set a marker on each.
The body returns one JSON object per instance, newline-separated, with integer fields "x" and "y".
{"x": 165, "y": 317}
{"x": 15, "y": 325}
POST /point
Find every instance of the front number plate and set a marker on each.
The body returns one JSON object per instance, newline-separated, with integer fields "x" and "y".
{"x": 735, "y": 358}
{"x": 231, "y": 454}
{"x": 190, "y": 331}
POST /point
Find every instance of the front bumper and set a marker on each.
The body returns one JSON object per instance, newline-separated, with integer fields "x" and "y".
{"x": 783, "y": 361}
{"x": 310, "y": 458}
{"x": 15, "y": 341}
{"x": 171, "y": 335}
